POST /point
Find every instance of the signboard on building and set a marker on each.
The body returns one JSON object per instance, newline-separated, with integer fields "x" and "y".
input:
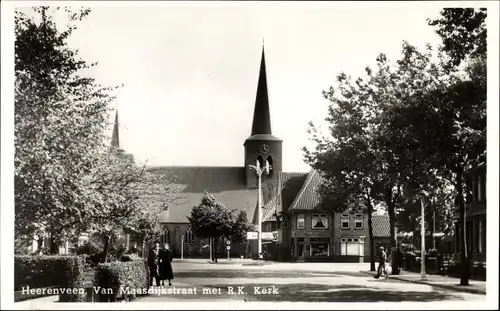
{"x": 266, "y": 236}
{"x": 252, "y": 235}
{"x": 273, "y": 236}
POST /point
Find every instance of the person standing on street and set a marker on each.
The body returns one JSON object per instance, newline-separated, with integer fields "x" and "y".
{"x": 166, "y": 272}
{"x": 153, "y": 263}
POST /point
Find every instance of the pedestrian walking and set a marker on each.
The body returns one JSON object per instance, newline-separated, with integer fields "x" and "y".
{"x": 153, "y": 263}
{"x": 166, "y": 272}
{"x": 382, "y": 259}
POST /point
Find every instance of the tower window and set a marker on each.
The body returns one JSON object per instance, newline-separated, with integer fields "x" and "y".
{"x": 270, "y": 161}
{"x": 260, "y": 161}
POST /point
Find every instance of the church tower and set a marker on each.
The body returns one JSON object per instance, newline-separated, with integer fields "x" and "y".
{"x": 262, "y": 146}
{"x": 115, "y": 138}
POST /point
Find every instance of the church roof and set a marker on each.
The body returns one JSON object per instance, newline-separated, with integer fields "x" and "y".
{"x": 268, "y": 137}
{"x": 227, "y": 184}
{"x": 262, "y": 117}
{"x": 115, "y": 138}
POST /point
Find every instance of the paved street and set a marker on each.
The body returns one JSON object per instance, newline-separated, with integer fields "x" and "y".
{"x": 295, "y": 282}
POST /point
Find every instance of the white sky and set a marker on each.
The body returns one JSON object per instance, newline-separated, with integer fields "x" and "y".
{"x": 190, "y": 70}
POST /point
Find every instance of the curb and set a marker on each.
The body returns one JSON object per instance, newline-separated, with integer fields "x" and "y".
{"x": 452, "y": 287}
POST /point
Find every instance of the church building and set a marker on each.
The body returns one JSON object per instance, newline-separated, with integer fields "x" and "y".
{"x": 297, "y": 227}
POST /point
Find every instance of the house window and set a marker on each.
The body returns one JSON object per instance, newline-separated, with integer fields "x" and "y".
{"x": 344, "y": 221}
{"x": 319, "y": 221}
{"x": 352, "y": 247}
{"x": 319, "y": 247}
{"x": 301, "y": 222}
{"x": 358, "y": 221}
{"x": 189, "y": 236}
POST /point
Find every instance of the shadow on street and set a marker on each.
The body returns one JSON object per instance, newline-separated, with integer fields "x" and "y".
{"x": 337, "y": 293}
{"x": 207, "y": 274}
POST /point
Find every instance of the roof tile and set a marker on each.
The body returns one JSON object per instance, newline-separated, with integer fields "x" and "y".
{"x": 227, "y": 184}
{"x": 308, "y": 197}
{"x": 291, "y": 184}
{"x": 381, "y": 226}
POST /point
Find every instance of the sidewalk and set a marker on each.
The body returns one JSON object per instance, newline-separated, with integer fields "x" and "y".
{"x": 475, "y": 287}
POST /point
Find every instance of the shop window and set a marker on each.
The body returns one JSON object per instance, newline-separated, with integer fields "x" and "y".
{"x": 319, "y": 221}
{"x": 320, "y": 247}
{"x": 301, "y": 221}
{"x": 352, "y": 247}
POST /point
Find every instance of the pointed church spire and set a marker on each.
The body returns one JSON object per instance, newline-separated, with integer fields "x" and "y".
{"x": 115, "y": 139}
{"x": 261, "y": 116}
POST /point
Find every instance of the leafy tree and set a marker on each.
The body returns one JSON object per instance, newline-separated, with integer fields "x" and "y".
{"x": 210, "y": 219}
{"x": 60, "y": 121}
{"x": 446, "y": 126}
{"x": 241, "y": 227}
{"x": 440, "y": 210}
{"x": 463, "y": 31}
{"x": 131, "y": 199}
{"x": 66, "y": 178}
{"x": 364, "y": 156}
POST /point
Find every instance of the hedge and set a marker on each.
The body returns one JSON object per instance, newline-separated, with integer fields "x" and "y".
{"x": 111, "y": 277}
{"x": 50, "y": 271}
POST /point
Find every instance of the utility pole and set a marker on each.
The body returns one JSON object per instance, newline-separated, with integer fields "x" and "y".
{"x": 259, "y": 172}
{"x": 182, "y": 246}
{"x": 434, "y": 228}
{"x": 422, "y": 195}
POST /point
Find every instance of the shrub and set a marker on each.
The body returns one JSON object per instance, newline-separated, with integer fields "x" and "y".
{"x": 130, "y": 257}
{"x": 49, "y": 271}
{"x": 121, "y": 275}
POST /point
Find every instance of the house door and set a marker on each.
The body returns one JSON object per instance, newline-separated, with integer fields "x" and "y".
{"x": 301, "y": 250}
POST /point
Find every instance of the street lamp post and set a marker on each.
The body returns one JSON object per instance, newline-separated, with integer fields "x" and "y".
{"x": 259, "y": 172}
{"x": 182, "y": 246}
{"x": 422, "y": 195}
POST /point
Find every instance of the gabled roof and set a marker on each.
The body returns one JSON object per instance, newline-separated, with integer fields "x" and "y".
{"x": 381, "y": 226}
{"x": 291, "y": 184}
{"x": 308, "y": 198}
{"x": 227, "y": 184}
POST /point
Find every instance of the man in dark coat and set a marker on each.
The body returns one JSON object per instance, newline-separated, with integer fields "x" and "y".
{"x": 153, "y": 263}
{"x": 166, "y": 272}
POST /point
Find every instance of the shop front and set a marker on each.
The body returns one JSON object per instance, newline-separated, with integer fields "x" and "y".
{"x": 311, "y": 249}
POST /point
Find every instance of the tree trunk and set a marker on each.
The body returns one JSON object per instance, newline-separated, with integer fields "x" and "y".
{"x": 370, "y": 235}
{"x": 464, "y": 280}
{"x": 392, "y": 225}
{"x": 106, "y": 248}
{"x": 216, "y": 242}
{"x": 144, "y": 253}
